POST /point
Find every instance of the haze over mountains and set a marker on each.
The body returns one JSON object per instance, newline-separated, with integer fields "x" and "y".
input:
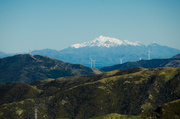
{"x": 107, "y": 51}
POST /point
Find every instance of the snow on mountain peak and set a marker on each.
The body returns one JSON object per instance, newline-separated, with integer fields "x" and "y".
{"x": 108, "y": 40}
{"x": 132, "y": 43}
{"x": 102, "y": 41}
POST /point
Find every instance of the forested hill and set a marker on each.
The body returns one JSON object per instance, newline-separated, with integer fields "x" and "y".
{"x": 28, "y": 68}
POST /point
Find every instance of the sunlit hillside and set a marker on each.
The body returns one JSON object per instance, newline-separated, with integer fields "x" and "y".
{"x": 128, "y": 93}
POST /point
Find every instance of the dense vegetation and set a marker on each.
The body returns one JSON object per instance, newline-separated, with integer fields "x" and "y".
{"x": 131, "y": 93}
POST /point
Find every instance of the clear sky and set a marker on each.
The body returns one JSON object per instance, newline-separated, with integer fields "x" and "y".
{"x": 57, "y": 24}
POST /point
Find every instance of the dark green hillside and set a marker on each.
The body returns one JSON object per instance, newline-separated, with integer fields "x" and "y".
{"x": 16, "y": 92}
{"x": 154, "y": 63}
{"x": 170, "y": 110}
{"x": 125, "y": 93}
{"x": 28, "y": 68}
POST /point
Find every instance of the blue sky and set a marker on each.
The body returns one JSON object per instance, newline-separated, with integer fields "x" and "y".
{"x": 57, "y": 24}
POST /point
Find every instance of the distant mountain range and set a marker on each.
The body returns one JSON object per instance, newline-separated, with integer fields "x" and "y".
{"x": 28, "y": 68}
{"x": 2, "y": 54}
{"x": 125, "y": 93}
{"x": 154, "y": 63}
{"x": 107, "y": 51}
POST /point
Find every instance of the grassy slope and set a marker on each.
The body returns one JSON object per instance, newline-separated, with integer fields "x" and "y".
{"x": 126, "y": 92}
{"x": 116, "y": 116}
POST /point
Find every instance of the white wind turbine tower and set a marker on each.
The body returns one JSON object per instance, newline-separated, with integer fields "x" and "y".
{"x": 92, "y": 62}
{"x": 121, "y": 60}
{"x": 149, "y": 52}
{"x": 35, "y": 111}
{"x": 29, "y": 52}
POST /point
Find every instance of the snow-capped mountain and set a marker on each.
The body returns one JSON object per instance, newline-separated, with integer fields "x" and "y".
{"x": 102, "y": 41}
{"x": 107, "y": 51}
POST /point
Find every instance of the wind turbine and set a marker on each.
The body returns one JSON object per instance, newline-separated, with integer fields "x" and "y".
{"x": 149, "y": 52}
{"x": 29, "y": 52}
{"x": 35, "y": 111}
{"x": 121, "y": 60}
{"x": 92, "y": 61}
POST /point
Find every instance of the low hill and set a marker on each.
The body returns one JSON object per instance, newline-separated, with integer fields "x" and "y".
{"x": 121, "y": 92}
{"x": 176, "y": 57}
{"x": 28, "y": 68}
{"x": 154, "y": 63}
